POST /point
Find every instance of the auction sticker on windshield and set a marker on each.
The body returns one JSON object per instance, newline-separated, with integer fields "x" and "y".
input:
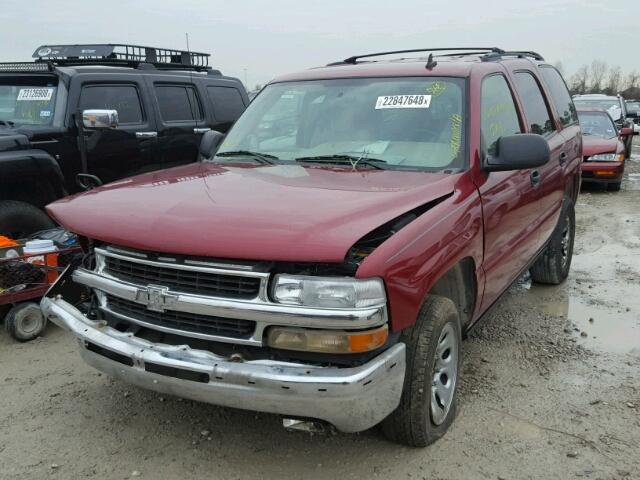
{"x": 40, "y": 94}
{"x": 403, "y": 101}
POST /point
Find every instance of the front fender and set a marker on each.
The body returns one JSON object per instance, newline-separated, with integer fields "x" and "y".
{"x": 412, "y": 260}
{"x": 25, "y": 170}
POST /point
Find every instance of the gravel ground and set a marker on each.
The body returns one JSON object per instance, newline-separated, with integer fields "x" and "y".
{"x": 550, "y": 390}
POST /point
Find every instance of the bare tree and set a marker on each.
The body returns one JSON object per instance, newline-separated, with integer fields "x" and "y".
{"x": 614, "y": 81}
{"x": 632, "y": 80}
{"x": 598, "y": 73}
{"x": 579, "y": 81}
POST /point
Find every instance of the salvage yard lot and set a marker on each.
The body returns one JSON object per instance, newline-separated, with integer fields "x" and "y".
{"x": 550, "y": 389}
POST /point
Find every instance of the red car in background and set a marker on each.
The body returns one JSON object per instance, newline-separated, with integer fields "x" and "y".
{"x": 602, "y": 148}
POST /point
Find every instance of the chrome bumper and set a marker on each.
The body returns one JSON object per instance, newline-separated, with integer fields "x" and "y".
{"x": 352, "y": 399}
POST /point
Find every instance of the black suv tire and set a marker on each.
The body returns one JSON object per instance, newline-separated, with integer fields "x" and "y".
{"x": 435, "y": 338}
{"x": 552, "y": 266}
{"x": 20, "y": 219}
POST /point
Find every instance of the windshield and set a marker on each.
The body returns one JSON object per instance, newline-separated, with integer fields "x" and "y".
{"x": 633, "y": 107}
{"x": 413, "y": 123}
{"x": 27, "y": 101}
{"x": 611, "y": 105}
{"x": 600, "y": 124}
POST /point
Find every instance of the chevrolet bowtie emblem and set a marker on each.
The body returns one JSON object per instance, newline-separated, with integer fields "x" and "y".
{"x": 156, "y": 298}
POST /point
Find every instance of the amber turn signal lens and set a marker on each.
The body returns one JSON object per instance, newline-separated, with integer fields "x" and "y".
{"x": 604, "y": 173}
{"x": 327, "y": 341}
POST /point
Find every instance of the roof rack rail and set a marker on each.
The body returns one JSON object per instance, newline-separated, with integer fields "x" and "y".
{"x": 520, "y": 54}
{"x": 463, "y": 50}
{"x": 119, "y": 54}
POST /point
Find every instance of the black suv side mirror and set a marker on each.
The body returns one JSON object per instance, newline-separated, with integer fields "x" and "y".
{"x": 209, "y": 143}
{"x": 518, "y": 152}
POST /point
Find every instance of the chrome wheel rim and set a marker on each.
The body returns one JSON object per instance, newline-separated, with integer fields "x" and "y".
{"x": 445, "y": 374}
{"x": 565, "y": 241}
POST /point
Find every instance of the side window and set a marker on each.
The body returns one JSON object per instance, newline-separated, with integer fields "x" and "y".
{"x": 535, "y": 107}
{"x": 227, "y": 103}
{"x": 123, "y": 98}
{"x": 499, "y": 116}
{"x": 560, "y": 95}
{"x": 178, "y": 103}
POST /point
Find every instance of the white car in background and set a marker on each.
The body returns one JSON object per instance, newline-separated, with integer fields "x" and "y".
{"x": 633, "y": 112}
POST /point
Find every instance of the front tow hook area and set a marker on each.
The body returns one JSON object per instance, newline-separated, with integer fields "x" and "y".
{"x": 308, "y": 425}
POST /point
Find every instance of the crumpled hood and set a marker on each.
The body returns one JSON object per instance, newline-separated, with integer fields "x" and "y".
{"x": 593, "y": 145}
{"x": 280, "y": 212}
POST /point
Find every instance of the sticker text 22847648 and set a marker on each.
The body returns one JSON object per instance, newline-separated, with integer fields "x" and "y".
{"x": 403, "y": 101}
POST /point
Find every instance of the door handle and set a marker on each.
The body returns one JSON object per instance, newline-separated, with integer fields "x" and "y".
{"x": 201, "y": 130}
{"x": 563, "y": 158}
{"x": 146, "y": 134}
{"x": 535, "y": 178}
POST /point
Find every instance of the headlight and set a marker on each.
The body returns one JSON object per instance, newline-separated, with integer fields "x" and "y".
{"x": 607, "y": 157}
{"x": 328, "y": 292}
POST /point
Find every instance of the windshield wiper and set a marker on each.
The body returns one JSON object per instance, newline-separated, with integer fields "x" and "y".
{"x": 7, "y": 123}
{"x": 264, "y": 158}
{"x": 344, "y": 159}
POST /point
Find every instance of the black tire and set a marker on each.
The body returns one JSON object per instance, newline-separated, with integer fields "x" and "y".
{"x": 412, "y": 423}
{"x": 614, "y": 187}
{"x": 20, "y": 219}
{"x": 553, "y": 265}
{"x": 25, "y": 321}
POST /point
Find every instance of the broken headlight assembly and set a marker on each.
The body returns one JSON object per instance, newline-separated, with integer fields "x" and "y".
{"x": 328, "y": 292}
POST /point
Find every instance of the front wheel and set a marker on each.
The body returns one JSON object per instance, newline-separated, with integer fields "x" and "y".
{"x": 428, "y": 404}
{"x": 552, "y": 267}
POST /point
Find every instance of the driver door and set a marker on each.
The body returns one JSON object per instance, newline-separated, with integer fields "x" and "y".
{"x": 129, "y": 149}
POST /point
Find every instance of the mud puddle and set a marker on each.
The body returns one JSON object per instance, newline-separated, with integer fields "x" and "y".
{"x": 600, "y": 328}
{"x": 632, "y": 182}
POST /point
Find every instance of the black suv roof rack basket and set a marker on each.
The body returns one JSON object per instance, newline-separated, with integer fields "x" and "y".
{"x": 122, "y": 55}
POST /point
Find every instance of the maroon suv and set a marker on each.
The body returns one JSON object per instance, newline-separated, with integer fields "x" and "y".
{"x": 326, "y": 260}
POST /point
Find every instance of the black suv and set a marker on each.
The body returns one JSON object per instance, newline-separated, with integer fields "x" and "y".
{"x": 158, "y": 103}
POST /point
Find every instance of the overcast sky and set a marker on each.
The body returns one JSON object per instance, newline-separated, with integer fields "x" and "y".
{"x": 268, "y": 38}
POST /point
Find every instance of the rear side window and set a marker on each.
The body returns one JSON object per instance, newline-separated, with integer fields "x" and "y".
{"x": 227, "y": 103}
{"x": 533, "y": 102}
{"x": 560, "y": 95}
{"x": 178, "y": 103}
{"x": 499, "y": 116}
{"x": 123, "y": 98}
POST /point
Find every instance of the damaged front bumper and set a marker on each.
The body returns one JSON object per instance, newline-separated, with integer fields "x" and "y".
{"x": 352, "y": 399}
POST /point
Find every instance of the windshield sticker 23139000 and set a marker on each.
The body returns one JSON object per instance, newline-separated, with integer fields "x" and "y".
{"x": 37, "y": 94}
{"x": 403, "y": 101}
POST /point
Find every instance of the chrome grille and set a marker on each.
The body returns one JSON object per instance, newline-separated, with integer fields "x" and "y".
{"x": 184, "y": 321}
{"x": 181, "y": 280}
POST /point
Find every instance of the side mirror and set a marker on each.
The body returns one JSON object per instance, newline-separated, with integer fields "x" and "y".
{"x": 100, "y": 119}
{"x": 518, "y": 152}
{"x": 626, "y": 131}
{"x": 209, "y": 143}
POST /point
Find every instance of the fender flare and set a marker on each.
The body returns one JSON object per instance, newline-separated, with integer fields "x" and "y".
{"x": 25, "y": 165}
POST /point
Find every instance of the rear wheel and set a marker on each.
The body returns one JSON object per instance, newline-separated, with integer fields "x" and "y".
{"x": 552, "y": 267}
{"x": 21, "y": 219}
{"x": 614, "y": 187}
{"x": 25, "y": 321}
{"x": 428, "y": 404}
